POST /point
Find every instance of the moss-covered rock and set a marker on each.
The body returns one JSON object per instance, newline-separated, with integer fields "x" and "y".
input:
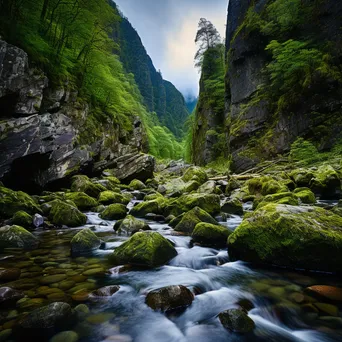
{"x": 302, "y": 177}
{"x": 23, "y": 219}
{"x": 82, "y": 183}
{"x": 137, "y": 185}
{"x": 149, "y": 249}
{"x": 326, "y": 182}
{"x": 265, "y": 185}
{"x": 232, "y": 206}
{"x": 187, "y": 222}
{"x": 210, "y": 235}
{"x": 305, "y": 195}
{"x": 17, "y": 237}
{"x": 169, "y": 298}
{"x": 209, "y": 203}
{"x": 280, "y": 198}
{"x": 130, "y": 225}
{"x": 299, "y": 237}
{"x": 209, "y": 187}
{"x": 110, "y": 197}
{"x": 84, "y": 242}
{"x": 155, "y": 206}
{"x": 195, "y": 171}
{"x": 233, "y": 184}
{"x": 237, "y": 320}
{"x": 114, "y": 212}
{"x": 82, "y": 200}
{"x": 192, "y": 185}
{"x": 62, "y": 213}
{"x": 14, "y": 201}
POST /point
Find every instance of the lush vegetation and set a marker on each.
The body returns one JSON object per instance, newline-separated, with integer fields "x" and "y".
{"x": 75, "y": 43}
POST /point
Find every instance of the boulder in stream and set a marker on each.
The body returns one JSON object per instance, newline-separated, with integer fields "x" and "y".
{"x": 84, "y": 242}
{"x": 210, "y": 235}
{"x": 114, "y": 212}
{"x": 237, "y": 320}
{"x": 130, "y": 225}
{"x": 17, "y": 237}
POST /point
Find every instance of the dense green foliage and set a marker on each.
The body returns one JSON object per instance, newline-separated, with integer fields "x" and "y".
{"x": 71, "y": 41}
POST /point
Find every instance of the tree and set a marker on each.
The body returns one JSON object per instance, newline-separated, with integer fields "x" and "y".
{"x": 207, "y": 37}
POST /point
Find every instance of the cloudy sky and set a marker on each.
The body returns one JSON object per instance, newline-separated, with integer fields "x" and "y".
{"x": 168, "y": 28}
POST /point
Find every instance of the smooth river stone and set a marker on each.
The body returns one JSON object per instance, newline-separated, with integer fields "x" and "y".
{"x": 52, "y": 279}
{"x": 329, "y": 292}
{"x": 94, "y": 271}
{"x": 9, "y": 274}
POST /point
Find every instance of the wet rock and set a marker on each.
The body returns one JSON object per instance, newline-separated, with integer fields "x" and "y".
{"x": 324, "y": 291}
{"x": 326, "y": 182}
{"x": 114, "y": 212}
{"x": 236, "y": 320}
{"x": 9, "y": 274}
{"x": 47, "y": 280}
{"x": 149, "y": 249}
{"x": 62, "y": 213}
{"x": 285, "y": 235}
{"x": 210, "y": 235}
{"x": 265, "y": 185}
{"x": 279, "y": 198}
{"x": 155, "y": 217}
{"x": 195, "y": 171}
{"x": 84, "y": 242}
{"x": 38, "y": 220}
{"x": 155, "y": 206}
{"x": 82, "y": 183}
{"x": 5, "y": 335}
{"x": 328, "y": 309}
{"x": 187, "y": 222}
{"x": 233, "y": 207}
{"x": 106, "y": 291}
{"x": 45, "y": 322}
{"x": 65, "y": 336}
{"x": 169, "y": 298}
{"x": 130, "y": 225}
{"x": 82, "y": 200}
{"x": 137, "y": 185}
{"x": 26, "y": 304}
{"x": 14, "y": 201}
{"x": 305, "y": 195}
{"x": 82, "y": 310}
{"x": 209, "y": 188}
{"x": 23, "y": 219}
{"x": 9, "y": 296}
{"x": 110, "y": 197}
{"x": 17, "y": 237}
{"x": 100, "y": 318}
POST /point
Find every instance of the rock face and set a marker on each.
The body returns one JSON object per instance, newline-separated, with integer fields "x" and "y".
{"x": 247, "y": 58}
{"x": 42, "y": 138}
{"x": 309, "y": 238}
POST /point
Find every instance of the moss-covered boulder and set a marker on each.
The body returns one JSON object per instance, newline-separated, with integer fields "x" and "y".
{"x": 210, "y": 203}
{"x": 82, "y": 200}
{"x": 84, "y": 242}
{"x": 149, "y": 249}
{"x": 297, "y": 237}
{"x": 210, "y": 235}
{"x": 130, "y": 225}
{"x": 305, "y": 195}
{"x": 114, "y": 212}
{"x": 155, "y": 206}
{"x": 232, "y": 206}
{"x": 280, "y": 198}
{"x": 209, "y": 187}
{"x": 82, "y": 183}
{"x": 23, "y": 219}
{"x": 187, "y": 222}
{"x": 265, "y": 185}
{"x": 17, "y": 237}
{"x": 326, "y": 182}
{"x": 111, "y": 197}
{"x": 14, "y": 201}
{"x": 62, "y": 213}
{"x": 193, "y": 172}
{"x": 233, "y": 184}
{"x": 169, "y": 298}
{"x": 237, "y": 320}
{"x": 137, "y": 185}
{"x": 190, "y": 186}
{"x": 302, "y": 177}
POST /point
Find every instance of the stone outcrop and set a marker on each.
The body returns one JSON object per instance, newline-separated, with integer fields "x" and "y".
{"x": 43, "y": 136}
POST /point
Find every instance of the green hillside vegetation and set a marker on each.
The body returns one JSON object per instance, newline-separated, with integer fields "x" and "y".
{"x": 71, "y": 41}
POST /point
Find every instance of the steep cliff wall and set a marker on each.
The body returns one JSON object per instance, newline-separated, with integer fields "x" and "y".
{"x": 283, "y": 76}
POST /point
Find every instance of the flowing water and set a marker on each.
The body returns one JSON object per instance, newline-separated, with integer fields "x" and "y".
{"x": 276, "y": 296}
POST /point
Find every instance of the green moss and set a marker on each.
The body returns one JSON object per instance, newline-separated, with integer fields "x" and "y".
{"x": 110, "y": 197}
{"x": 265, "y": 186}
{"x": 130, "y": 225}
{"x": 298, "y": 237}
{"x": 191, "y": 186}
{"x": 187, "y": 222}
{"x": 137, "y": 185}
{"x": 17, "y": 237}
{"x": 280, "y": 198}
{"x": 305, "y": 195}
{"x": 149, "y": 249}
{"x": 210, "y": 235}
{"x": 23, "y": 219}
{"x": 326, "y": 181}
{"x": 14, "y": 201}
{"x": 155, "y": 206}
{"x": 84, "y": 241}
{"x": 82, "y": 183}
{"x": 62, "y": 213}
{"x": 233, "y": 207}
{"x": 82, "y": 200}
{"x": 114, "y": 212}
{"x": 195, "y": 171}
